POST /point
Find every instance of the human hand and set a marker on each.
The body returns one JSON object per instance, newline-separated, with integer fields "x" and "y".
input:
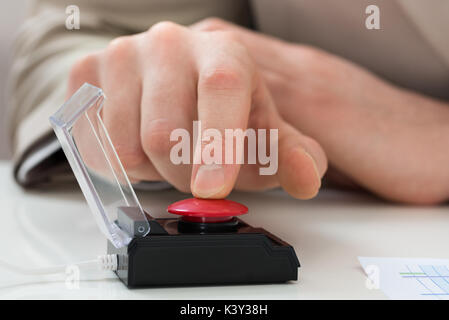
{"x": 169, "y": 76}
{"x": 374, "y": 133}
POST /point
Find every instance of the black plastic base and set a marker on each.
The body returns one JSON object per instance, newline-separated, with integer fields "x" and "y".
{"x": 169, "y": 257}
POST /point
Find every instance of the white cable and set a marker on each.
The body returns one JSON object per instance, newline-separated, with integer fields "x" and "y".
{"x": 103, "y": 262}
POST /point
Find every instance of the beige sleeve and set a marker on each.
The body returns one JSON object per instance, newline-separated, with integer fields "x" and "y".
{"x": 45, "y": 50}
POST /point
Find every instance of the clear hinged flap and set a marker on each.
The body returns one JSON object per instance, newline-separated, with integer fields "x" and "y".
{"x": 94, "y": 161}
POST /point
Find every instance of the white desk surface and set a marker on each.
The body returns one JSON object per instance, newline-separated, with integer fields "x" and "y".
{"x": 48, "y": 227}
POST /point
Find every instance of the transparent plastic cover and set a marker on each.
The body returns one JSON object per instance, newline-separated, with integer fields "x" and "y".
{"x": 79, "y": 127}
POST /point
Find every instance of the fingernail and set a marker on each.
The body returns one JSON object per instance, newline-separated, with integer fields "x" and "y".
{"x": 314, "y": 165}
{"x": 209, "y": 181}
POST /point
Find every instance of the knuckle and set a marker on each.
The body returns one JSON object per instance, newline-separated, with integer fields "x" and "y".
{"x": 222, "y": 77}
{"x": 83, "y": 69}
{"x": 156, "y": 138}
{"x": 164, "y": 32}
{"x": 228, "y": 37}
{"x": 311, "y": 55}
{"x": 211, "y": 24}
{"x": 119, "y": 49}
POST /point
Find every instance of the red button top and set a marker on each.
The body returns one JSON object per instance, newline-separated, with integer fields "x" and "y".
{"x": 207, "y": 210}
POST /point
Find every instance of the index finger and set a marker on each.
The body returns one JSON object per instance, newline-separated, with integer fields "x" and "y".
{"x": 225, "y": 88}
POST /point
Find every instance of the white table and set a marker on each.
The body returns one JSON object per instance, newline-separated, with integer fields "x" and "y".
{"x": 48, "y": 227}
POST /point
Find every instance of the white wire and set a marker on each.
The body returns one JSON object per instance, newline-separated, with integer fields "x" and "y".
{"x": 103, "y": 262}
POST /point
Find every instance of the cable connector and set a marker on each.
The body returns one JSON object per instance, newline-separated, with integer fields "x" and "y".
{"x": 108, "y": 262}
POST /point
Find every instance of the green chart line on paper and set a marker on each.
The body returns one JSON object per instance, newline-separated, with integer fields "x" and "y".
{"x": 411, "y": 273}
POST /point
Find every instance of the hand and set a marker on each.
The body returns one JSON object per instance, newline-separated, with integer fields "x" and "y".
{"x": 169, "y": 76}
{"x": 384, "y": 138}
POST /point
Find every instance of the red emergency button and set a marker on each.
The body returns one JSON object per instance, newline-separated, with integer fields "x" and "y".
{"x": 207, "y": 210}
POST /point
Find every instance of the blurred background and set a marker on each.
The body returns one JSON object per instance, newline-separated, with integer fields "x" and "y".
{"x": 12, "y": 13}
